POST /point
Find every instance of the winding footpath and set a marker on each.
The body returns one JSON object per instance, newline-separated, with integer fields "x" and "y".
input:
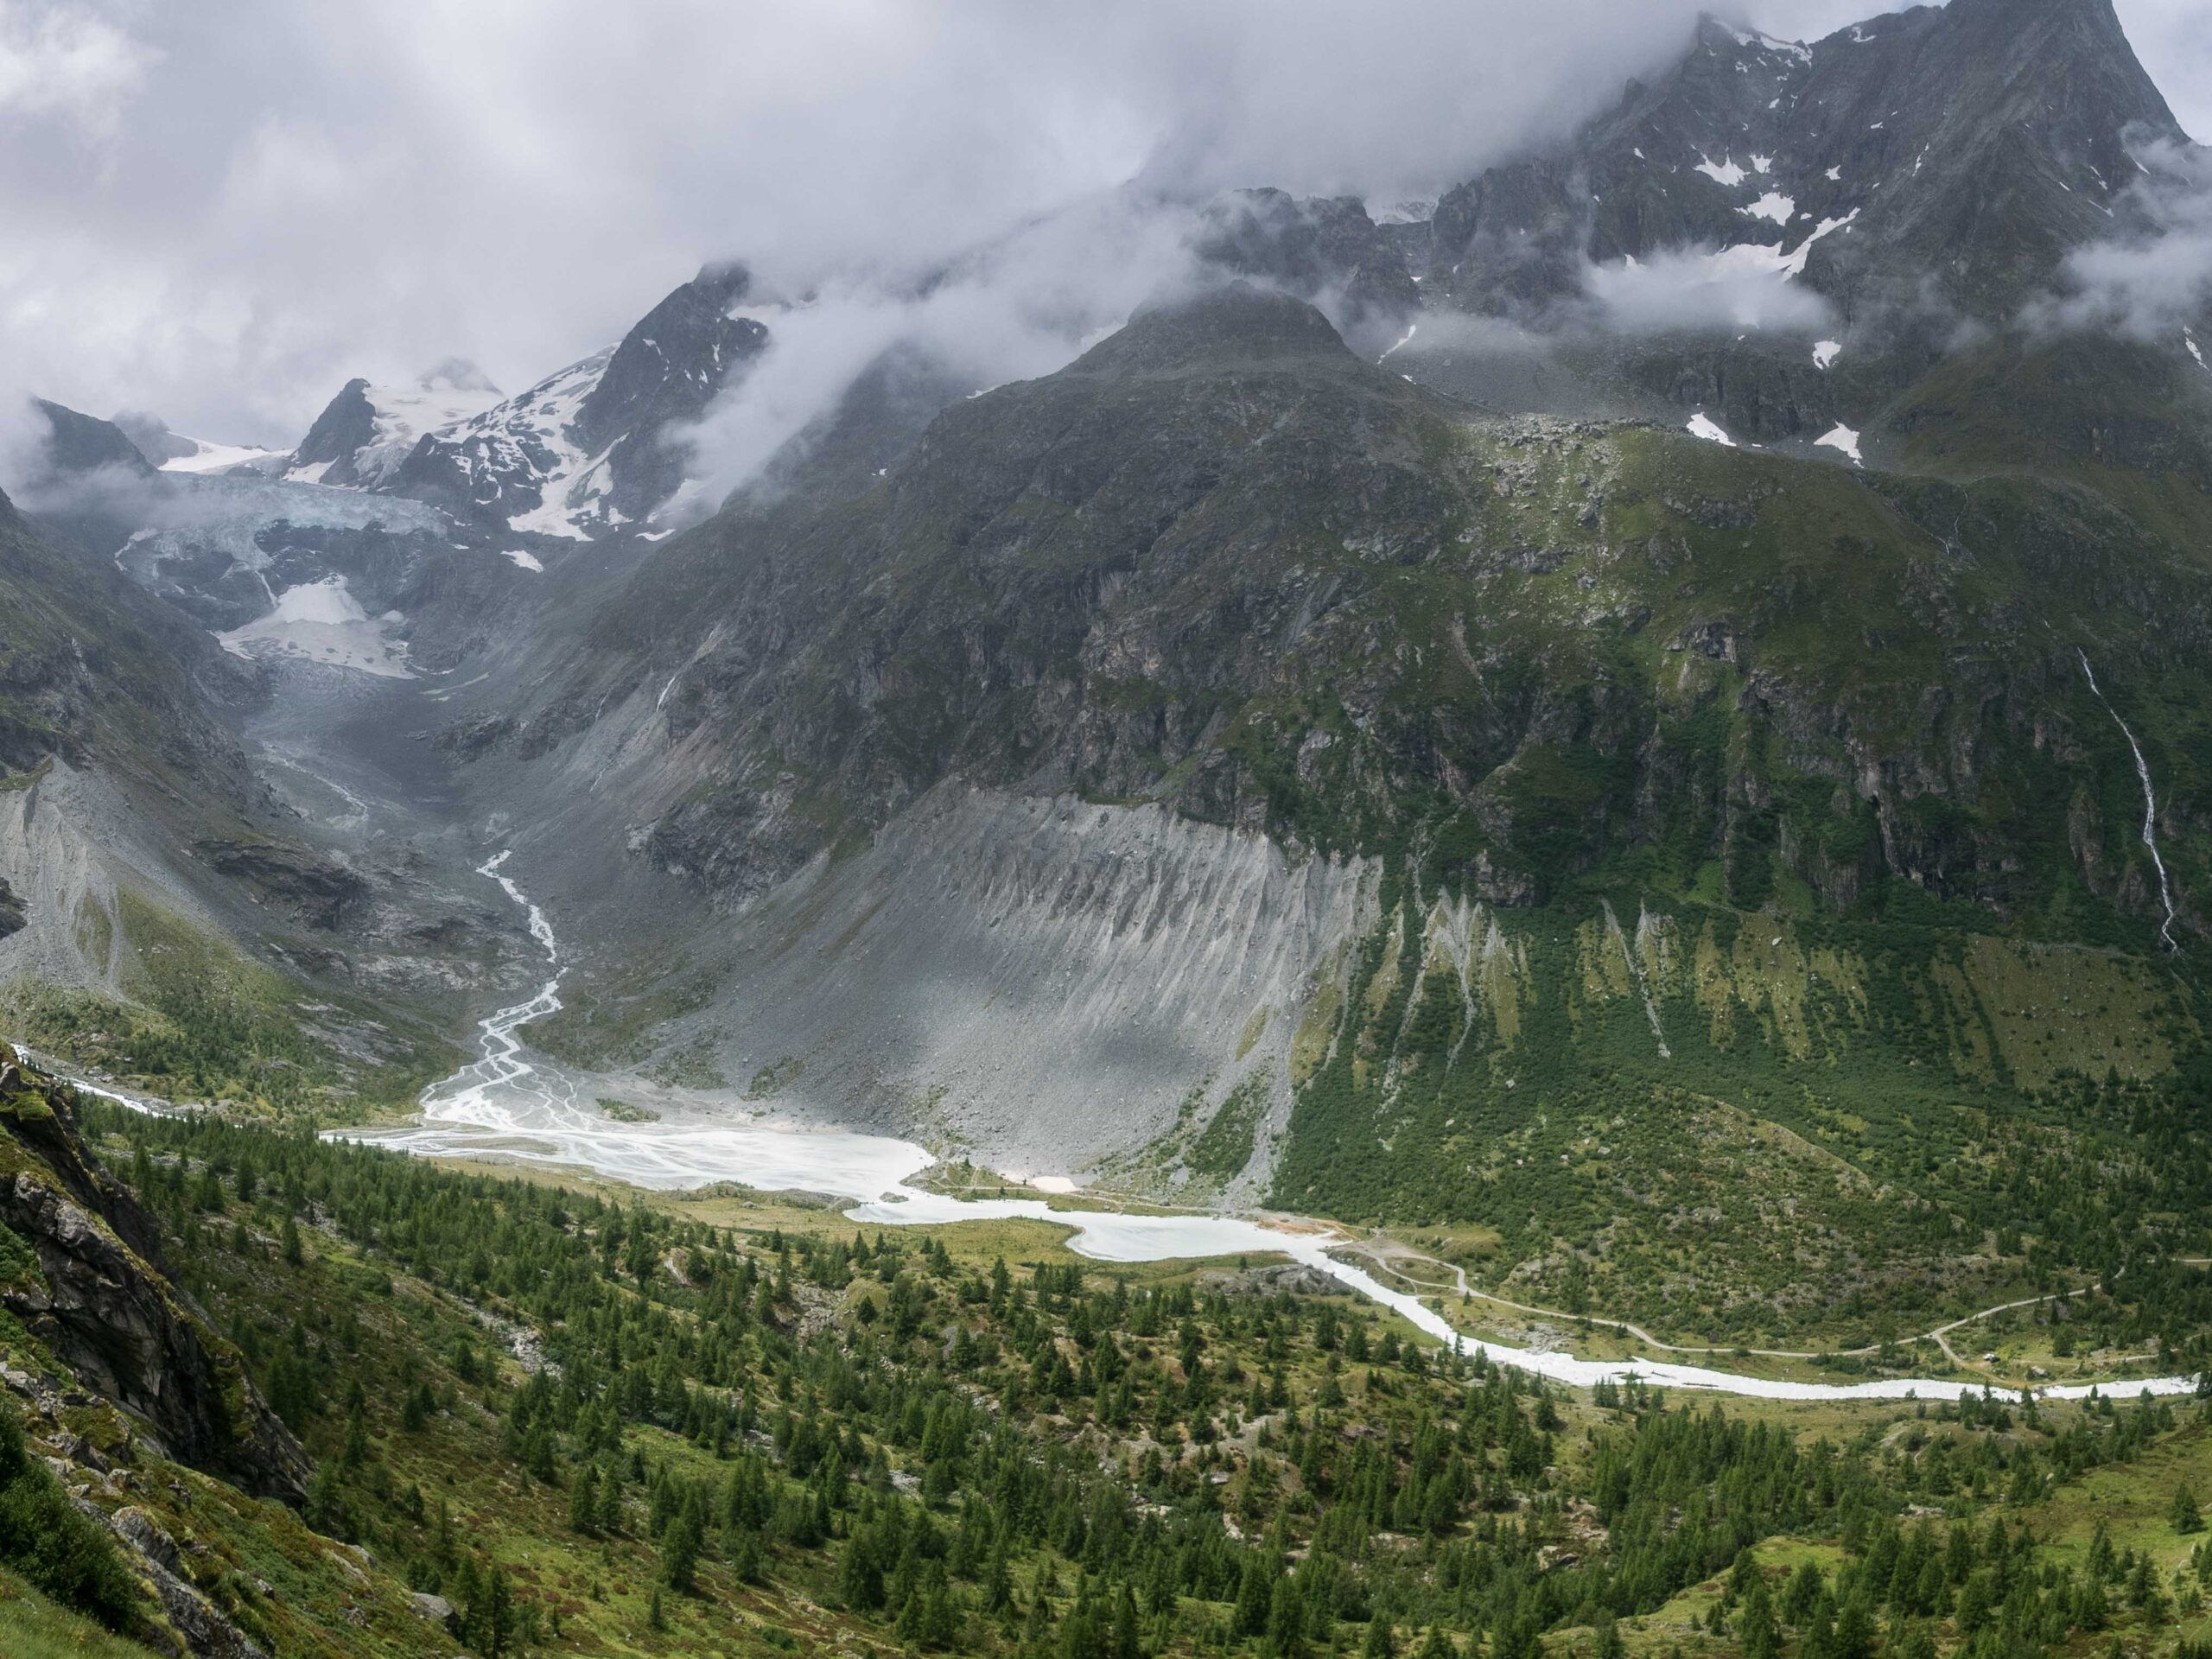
{"x": 506, "y": 1105}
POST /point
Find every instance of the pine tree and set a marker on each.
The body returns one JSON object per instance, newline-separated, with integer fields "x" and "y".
{"x": 584, "y": 1501}
{"x": 679, "y": 1549}
{"x": 2185, "y": 1514}
{"x": 1755, "y": 1627}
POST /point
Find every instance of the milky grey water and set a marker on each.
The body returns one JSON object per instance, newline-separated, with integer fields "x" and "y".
{"x": 511, "y": 1105}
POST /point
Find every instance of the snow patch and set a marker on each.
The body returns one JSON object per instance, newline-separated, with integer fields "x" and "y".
{"x": 1770, "y": 258}
{"x": 323, "y": 622}
{"x": 1824, "y": 352}
{"x": 215, "y": 457}
{"x": 1773, "y": 205}
{"x": 527, "y": 560}
{"x": 1840, "y": 436}
{"x": 523, "y": 447}
{"x": 405, "y": 414}
{"x": 1702, "y": 425}
{"x": 1726, "y": 172}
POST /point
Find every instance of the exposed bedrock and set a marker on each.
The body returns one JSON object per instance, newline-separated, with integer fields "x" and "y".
{"x": 1041, "y": 982}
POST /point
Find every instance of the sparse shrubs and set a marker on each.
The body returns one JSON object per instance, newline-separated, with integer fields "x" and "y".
{"x": 62, "y": 1551}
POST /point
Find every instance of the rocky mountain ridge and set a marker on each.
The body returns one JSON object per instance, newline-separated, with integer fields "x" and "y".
{"x": 591, "y": 448}
{"x": 1273, "y": 561}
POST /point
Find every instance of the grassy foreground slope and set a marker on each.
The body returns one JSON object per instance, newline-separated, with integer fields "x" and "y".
{"x": 728, "y": 1424}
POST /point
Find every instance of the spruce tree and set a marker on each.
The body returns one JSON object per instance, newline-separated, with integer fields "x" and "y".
{"x": 584, "y": 1501}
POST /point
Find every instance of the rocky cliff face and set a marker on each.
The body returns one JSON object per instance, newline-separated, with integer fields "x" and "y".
{"x": 1049, "y": 984}
{"x": 1220, "y": 572}
{"x": 1785, "y": 237}
{"x": 594, "y": 448}
{"x": 1327, "y": 251}
{"x": 1968, "y": 146}
{"x": 1220, "y": 564}
{"x": 101, "y": 1302}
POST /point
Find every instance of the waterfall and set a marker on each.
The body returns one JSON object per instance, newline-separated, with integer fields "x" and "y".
{"x": 2150, "y": 805}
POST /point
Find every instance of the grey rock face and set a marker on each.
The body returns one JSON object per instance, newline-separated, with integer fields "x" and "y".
{"x": 150, "y": 435}
{"x": 663, "y": 375}
{"x": 105, "y": 1309}
{"x": 1326, "y": 251}
{"x": 148, "y": 1536}
{"x": 1040, "y": 981}
{"x": 597, "y": 446}
{"x": 82, "y": 443}
{"x": 346, "y": 426}
{"x": 1967, "y": 147}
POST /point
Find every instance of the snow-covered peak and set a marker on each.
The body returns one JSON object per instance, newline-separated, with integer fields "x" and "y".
{"x": 207, "y": 457}
{"x": 367, "y": 431}
{"x": 523, "y": 460}
{"x": 405, "y": 414}
{"x": 584, "y": 451}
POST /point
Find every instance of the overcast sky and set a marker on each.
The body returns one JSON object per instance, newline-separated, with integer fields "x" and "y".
{"x": 220, "y": 212}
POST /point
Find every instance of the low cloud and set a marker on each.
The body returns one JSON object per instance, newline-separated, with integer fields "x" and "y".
{"x": 24, "y": 435}
{"x": 2154, "y": 277}
{"x": 1741, "y": 289}
{"x": 66, "y": 64}
{"x": 222, "y": 213}
{"x": 38, "y": 481}
{"x": 288, "y": 193}
{"x": 1022, "y": 306}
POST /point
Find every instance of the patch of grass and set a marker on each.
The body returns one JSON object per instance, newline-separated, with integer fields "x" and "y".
{"x": 31, "y": 1627}
{"x": 202, "y": 1022}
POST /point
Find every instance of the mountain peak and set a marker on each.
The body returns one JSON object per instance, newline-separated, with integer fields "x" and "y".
{"x": 1228, "y": 324}
{"x": 724, "y": 281}
{"x": 1957, "y": 153}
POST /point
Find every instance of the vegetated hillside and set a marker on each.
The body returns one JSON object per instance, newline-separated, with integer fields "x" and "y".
{"x": 1822, "y": 744}
{"x": 544, "y": 1422}
{"x": 145, "y": 874}
{"x": 89, "y": 662}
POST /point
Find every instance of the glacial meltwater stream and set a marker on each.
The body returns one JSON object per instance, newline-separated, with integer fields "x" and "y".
{"x": 506, "y": 1106}
{"x": 2150, "y": 805}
